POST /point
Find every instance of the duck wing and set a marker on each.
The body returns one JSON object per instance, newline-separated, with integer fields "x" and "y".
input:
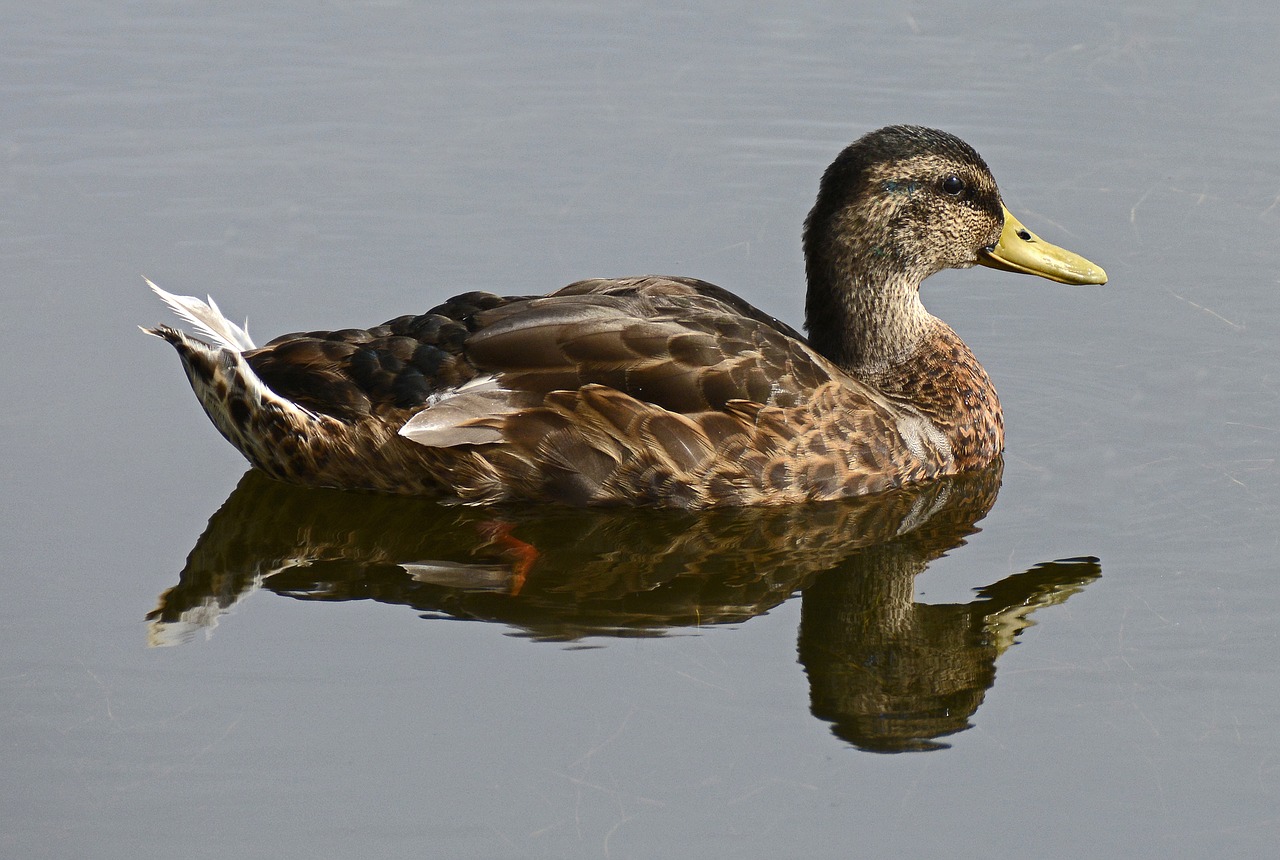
{"x": 683, "y": 346}
{"x": 388, "y": 372}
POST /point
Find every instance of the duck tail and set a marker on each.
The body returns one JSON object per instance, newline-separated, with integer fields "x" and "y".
{"x": 243, "y": 408}
{"x": 207, "y": 319}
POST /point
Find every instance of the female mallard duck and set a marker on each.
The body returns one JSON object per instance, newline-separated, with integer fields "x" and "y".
{"x": 658, "y": 391}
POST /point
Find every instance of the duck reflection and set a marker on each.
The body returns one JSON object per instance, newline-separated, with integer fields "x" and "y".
{"x": 890, "y": 674}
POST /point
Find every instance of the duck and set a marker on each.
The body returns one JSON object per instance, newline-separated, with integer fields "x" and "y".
{"x": 657, "y": 391}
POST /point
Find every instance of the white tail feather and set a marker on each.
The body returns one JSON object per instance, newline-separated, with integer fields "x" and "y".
{"x": 207, "y": 319}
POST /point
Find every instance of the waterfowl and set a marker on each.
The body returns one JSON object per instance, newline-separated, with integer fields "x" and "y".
{"x": 657, "y": 391}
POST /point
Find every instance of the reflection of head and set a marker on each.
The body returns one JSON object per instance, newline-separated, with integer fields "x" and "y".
{"x": 893, "y": 675}
{"x": 890, "y": 674}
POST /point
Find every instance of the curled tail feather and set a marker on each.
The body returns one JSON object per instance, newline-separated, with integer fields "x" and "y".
{"x": 207, "y": 319}
{"x": 245, "y": 410}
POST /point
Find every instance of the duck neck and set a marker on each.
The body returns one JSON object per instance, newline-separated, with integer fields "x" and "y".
{"x": 866, "y": 323}
{"x": 884, "y": 337}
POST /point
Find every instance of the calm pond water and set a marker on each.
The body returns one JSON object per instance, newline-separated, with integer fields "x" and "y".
{"x": 201, "y": 663}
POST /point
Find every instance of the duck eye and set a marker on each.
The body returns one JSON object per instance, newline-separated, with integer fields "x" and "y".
{"x": 952, "y": 186}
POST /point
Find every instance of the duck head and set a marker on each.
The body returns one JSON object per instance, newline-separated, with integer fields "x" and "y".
{"x": 896, "y": 206}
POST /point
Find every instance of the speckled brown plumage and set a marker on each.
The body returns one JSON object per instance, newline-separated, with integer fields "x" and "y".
{"x": 653, "y": 391}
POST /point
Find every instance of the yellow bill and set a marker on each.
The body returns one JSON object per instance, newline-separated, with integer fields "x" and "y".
{"x": 1020, "y": 250}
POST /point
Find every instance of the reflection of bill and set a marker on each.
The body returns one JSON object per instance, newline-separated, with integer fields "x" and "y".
{"x": 879, "y": 664}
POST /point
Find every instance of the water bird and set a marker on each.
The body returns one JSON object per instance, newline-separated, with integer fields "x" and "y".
{"x": 657, "y": 391}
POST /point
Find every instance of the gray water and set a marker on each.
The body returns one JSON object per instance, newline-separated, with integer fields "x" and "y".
{"x": 678, "y": 690}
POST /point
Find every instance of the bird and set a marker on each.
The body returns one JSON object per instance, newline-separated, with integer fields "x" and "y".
{"x": 657, "y": 391}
